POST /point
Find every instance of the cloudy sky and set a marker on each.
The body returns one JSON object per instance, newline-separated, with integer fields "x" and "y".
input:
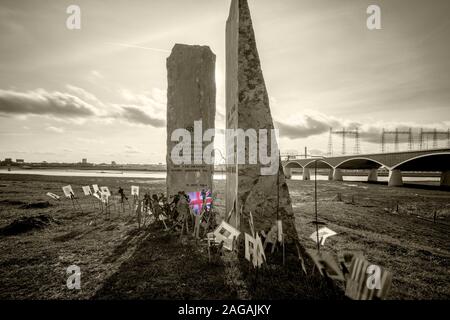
{"x": 100, "y": 92}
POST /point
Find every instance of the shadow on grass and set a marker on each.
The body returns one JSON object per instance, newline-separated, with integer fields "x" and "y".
{"x": 275, "y": 281}
{"x": 163, "y": 268}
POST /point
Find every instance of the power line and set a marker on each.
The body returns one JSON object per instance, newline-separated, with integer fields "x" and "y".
{"x": 436, "y": 136}
{"x": 397, "y": 134}
{"x": 349, "y": 132}
{"x": 330, "y": 143}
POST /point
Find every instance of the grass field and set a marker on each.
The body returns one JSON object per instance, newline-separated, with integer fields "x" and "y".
{"x": 119, "y": 261}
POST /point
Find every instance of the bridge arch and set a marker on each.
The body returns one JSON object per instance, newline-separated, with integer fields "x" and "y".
{"x": 321, "y": 164}
{"x": 292, "y": 164}
{"x": 360, "y": 163}
{"x": 425, "y": 162}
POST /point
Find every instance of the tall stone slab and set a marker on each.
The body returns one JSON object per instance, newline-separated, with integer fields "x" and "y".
{"x": 191, "y": 97}
{"x": 247, "y": 106}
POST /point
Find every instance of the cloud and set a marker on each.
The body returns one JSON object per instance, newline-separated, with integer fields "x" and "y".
{"x": 314, "y": 124}
{"x": 131, "y": 150}
{"x": 79, "y": 104}
{"x": 136, "y": 115}
{"x": 41, "y": 102}
{"x": 83, "y": 94}
{"x": 97, "y": 74}
{"x": 55, "y": 129}
{"x": 94, "y": 140}
{"x": 138, "y": 47}
{"x": 307, "y": 126}
{"x": 153, "y": 101}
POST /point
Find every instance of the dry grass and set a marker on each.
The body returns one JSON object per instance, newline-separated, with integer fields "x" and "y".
{"x": 415, "y": 250}
{"x": 118, "y": 261}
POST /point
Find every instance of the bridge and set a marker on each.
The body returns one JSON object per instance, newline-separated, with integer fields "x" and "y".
{"x": 434, "y": 160}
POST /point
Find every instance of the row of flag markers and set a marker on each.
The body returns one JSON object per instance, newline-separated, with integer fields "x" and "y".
{"x": 254, "y": 248}
{"x": 101, "y": 193}
{"x": 364, "y": 281}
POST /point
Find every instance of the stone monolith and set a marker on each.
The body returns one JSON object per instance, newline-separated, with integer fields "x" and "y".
{"x": 191, "y": 97}
{"x": 247, "y": 107}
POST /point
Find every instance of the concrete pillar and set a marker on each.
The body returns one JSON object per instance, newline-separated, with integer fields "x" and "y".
{"x": 337, "y": 175}
{"x": 287, "y": 172}
{"x": 373, "y": 175}
{"x": 395, "y": 178}
{"x": 445, "y": 178}
{"x": 306, "y": 175}
{"x": 330, "y": 175}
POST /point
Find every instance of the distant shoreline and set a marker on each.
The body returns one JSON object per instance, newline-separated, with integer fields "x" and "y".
{"x": 118, "y": 169}
{"x": 156, "y": 168}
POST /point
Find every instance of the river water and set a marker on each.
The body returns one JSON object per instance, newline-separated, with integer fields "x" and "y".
{"x": 162, "y": 174}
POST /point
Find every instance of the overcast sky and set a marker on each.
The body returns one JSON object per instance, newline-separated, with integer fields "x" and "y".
{"x": 100, "y": 92}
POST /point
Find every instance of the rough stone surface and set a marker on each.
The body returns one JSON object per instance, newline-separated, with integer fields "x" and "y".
{"x": 191, "y": 96}
{"x": 248, "y": 107}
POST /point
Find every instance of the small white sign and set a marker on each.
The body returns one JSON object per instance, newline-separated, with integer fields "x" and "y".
{"x": 250, "y": 245}
{"x": 254, "y": 250}
{"x": 280, "y": 230}
{"x": 324, "y": 233}
{"x": 135, "y": 191}
{"x": 226, "y": 233}
{"x": 68, "y": 192}
{"x": 87, "y": 190}
{"x": 105, "y": 197}
{"x": 53, "y": 196}
{"x": 105, "y": 190}
{"x": 260, "y": 256}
